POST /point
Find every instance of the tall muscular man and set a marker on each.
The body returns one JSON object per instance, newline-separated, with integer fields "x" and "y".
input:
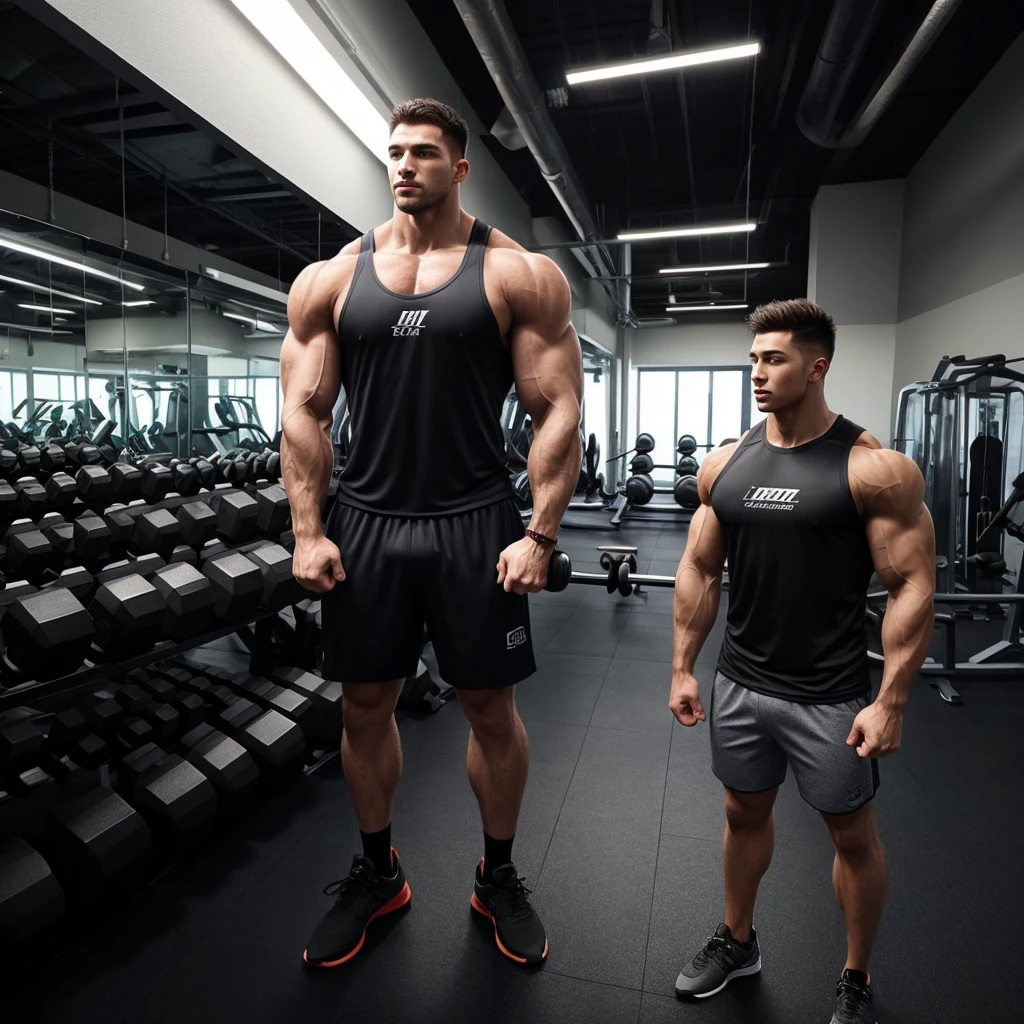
{"x": 428, "y": 320}
{"x": 805, "y": 505}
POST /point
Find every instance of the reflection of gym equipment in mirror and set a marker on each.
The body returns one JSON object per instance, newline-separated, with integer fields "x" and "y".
{"x": 965, "y": 430}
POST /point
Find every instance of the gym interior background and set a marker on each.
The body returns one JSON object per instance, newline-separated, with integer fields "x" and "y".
{"x": 166, "y": 169}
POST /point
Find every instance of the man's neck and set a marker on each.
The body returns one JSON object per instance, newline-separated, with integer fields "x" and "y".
{"x": 803, "y": 423}
{"x": 444, "y": 226}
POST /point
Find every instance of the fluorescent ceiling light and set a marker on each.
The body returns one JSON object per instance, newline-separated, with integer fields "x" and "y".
{"x": 260, "y": 325}
{"x": 140, "y": 302}
{"x": 33, "y": 330}
{"x": 282, "y": 27}
{"x": 691, "y": 309}
{"x": 707, "y": 229}
{"x": 713, "y": 270}
{"x": 49, "y": 291}
{"x": 241, "y": 282}
{"x": 45, "y": 309}
{"x": 73, "y": 264}
{"x": 671, "y": 63}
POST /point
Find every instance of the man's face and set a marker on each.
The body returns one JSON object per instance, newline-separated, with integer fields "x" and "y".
{"x": 424, "y": 166}
{"x": 781, "y": 371}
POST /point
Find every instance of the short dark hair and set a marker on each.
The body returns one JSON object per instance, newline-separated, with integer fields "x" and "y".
{"x": 428, "y": 111}
{"x": 810, "y": 324}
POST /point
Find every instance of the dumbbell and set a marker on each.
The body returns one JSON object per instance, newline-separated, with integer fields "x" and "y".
{"x": 290, "y": 703}
{"x": 687, "y": 493}
{"x": 640, "y": 464}
{"x": 206, "y": 470}
{"x": 32, "y": 906}
{"x": 686, "y": 445}
{"x": 323, "y": 694}
{"x": 47, "y": 633}
{"x": 99, "y": 847}
{"x": 176, "y": 800}
{"x": 687, "y": 466}
{"x": 639, "y": 489}
{"x": 276, "y": 743}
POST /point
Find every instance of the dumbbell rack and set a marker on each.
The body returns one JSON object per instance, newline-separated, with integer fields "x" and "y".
{"x": 51, "y": 695}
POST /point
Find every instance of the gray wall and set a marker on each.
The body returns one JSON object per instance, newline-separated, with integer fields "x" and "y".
{"x": 964, "y": 224}
{"x": 854, "y": 269}
{"x": 962, "y": 270}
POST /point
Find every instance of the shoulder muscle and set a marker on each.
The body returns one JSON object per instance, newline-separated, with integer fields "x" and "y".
{"x": 885, "y": 482}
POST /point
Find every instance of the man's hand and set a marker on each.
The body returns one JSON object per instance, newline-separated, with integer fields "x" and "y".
{"x": 523, "y": 567}
{"x": 684, "y": 701}
{"x": 316, "y": 564}
{"x": 876, "y": 731}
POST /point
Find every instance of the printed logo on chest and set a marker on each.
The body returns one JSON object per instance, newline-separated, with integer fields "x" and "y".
{"x": 780, "y": 499}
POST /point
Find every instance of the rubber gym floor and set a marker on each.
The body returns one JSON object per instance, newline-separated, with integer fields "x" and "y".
{"x": 620, "y": 839}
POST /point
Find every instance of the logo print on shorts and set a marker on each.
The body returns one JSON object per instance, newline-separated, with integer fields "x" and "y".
{"x": 409, "y": 323}
{"x": 780, "y": 498}
{"x": 516, "y": 638}
{"x": 855, "y": 796}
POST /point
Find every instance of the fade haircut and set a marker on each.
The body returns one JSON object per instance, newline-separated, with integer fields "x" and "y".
{"x": 810, "y": 325}
{"x": 428, "y": 111}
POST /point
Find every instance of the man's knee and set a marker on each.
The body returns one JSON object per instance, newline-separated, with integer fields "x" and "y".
{"x": 853, "y": 835}
{"x": 748, "y": 810}
{"x": 367, "y": 707}
{"x": 491, "y": 713}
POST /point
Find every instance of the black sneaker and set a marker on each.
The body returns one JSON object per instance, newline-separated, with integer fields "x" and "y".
{"x": 717, "y": 963}
{"x": 362, "y": 897}
{"x": 517, "y": 928}
{"x": 853, "y": 1000}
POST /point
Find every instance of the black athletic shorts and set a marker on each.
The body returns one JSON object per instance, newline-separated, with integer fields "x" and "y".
{"x": 403, "y": 573}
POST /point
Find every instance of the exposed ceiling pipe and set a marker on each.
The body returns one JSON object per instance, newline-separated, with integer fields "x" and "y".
{"x": 841, "y": 50}
{"x": 491, "y": 29}
{"x": 625, "y": 282}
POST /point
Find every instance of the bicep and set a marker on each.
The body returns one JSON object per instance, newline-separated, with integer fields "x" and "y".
{"x": 310, "y": 354}
{"x": 902, "y": 543}
{"x": 547, "y": 362}
{"x": 548, "y": 373}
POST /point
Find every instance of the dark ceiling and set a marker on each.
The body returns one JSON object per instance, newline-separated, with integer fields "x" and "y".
{"x": 671, "y": 149}
{"x": 661, "y": 150}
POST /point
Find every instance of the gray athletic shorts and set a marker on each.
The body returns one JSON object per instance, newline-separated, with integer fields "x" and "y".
{"x": 754, "y": 738}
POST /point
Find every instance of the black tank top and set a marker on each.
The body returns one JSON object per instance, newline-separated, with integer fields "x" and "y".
{"x": 426, "y": 378}
{"x": 799, "y": 568}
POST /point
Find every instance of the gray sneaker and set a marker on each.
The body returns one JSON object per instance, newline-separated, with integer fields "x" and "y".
{"x": 716, "y": 964}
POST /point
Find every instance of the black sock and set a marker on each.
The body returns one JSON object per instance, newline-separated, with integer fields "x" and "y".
{"x": 496, "y": 853}
{"x": 377, "y": 846}
{"x": 857, "y": 977}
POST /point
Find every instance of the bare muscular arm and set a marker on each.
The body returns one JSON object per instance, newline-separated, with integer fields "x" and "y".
{"x": 548, "y": 368}
{"x": 310, "y": 380}
{"x": 902, "y": 540}
{"x": 697, "y": 593}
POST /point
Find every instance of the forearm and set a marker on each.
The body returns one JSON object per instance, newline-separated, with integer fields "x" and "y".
{"x": 697, "y": 595}
{"x": 554, "y": 468}
{"x": 307, "y": 460}
{"x": 906, "y": 633}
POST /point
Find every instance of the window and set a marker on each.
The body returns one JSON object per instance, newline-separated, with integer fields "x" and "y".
{"x": 657, "y": 407}
{"x": 13, "y": 387}
{"x": 709, "y": 403}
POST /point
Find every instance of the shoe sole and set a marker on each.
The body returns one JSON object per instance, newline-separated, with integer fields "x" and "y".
{"x": 476, "y": 905}
{"x": 395, "y": 903}
{"x": 742, "y": 972}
